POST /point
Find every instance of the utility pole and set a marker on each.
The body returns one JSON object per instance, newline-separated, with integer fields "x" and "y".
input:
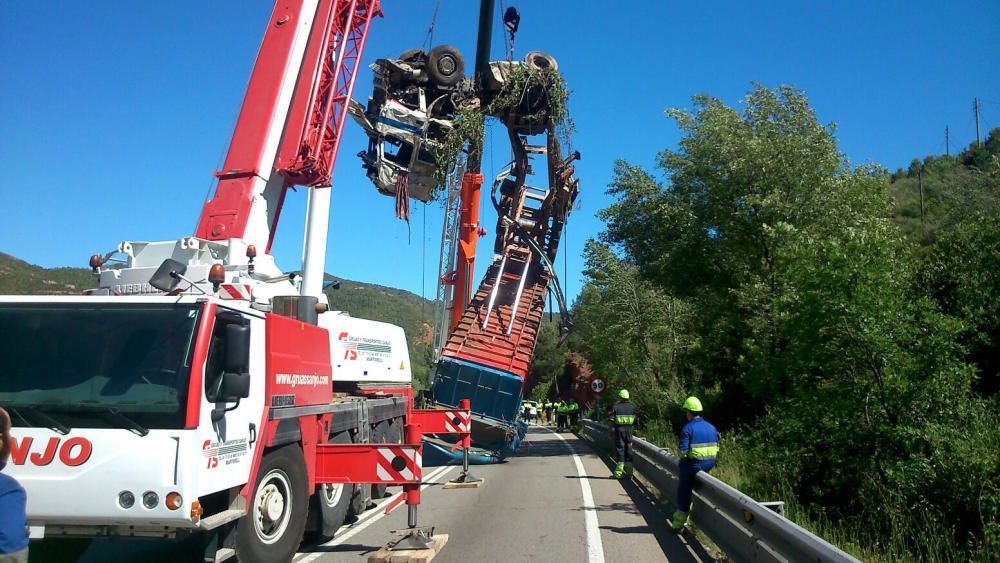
{"x": 975, "y": 108}
{"x": 920, "y": 185}
{"x": 947, "y": 142}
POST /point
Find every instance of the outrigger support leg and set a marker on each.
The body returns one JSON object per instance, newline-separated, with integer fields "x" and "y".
{"x": 466, "y": 479}
{"x": 413, "y": 537}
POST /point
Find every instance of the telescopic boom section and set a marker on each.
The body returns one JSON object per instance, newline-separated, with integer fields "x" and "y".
{"x": 315, "y": 123}
{"x": 289, "y": 127}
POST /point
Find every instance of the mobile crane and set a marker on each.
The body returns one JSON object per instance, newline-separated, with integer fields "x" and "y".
{"x": 200, "y": 390}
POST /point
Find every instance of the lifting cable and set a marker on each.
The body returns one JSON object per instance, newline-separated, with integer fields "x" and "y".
{"x": 430, "y": 29}
{"x": 423, "y": 264}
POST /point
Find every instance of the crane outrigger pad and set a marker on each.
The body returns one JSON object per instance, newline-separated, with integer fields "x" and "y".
{"x": 420, "y": 555}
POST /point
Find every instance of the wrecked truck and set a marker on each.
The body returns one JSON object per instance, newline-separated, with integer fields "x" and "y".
{"x": 411, "y": 115}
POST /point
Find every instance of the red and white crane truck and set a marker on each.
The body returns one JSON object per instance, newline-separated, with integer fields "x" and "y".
{"x": 199, "y": 389}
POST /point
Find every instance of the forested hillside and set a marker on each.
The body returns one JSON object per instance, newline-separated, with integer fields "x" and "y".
{"x": 363, "y": 300}
{"x": 20, "y": 277}
{"x": 412, "y": 312}
{"x": 847, "y": 350}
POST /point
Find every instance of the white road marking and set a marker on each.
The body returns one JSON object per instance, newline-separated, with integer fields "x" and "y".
{"x": 368, "y": 518}
{"x": 595, "y": 548}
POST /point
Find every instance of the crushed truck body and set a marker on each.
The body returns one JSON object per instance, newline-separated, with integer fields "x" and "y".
{"x": 412, "y": 120}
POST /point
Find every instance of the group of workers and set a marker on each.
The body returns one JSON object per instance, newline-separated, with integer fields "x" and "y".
{"x": 563, "y": 414}
{"x": 697, "y": 447}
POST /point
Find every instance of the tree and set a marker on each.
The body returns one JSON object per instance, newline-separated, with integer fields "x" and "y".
{"x": 807, "y": 319}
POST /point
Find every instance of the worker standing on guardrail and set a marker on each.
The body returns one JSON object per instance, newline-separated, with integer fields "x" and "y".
{"x": 623, "y": 417}
{"x": 699, "y": 446}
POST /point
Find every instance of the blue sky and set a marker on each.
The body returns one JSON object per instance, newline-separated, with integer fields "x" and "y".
{"x": 115, "y": 113}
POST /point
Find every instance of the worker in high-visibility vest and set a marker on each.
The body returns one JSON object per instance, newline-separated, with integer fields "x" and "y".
{"x": 561, "y": 415}
{"x": 573, "y": 411}
{"x": 698, "y": 446}
{"x": 622, "y": 418}
{"x": 547, "y": 412}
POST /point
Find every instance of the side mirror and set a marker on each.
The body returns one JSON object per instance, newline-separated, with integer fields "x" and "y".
{"x": 237, "y": 358}
{"x": 235, "y": 386}
{"x": 166, "y": 276}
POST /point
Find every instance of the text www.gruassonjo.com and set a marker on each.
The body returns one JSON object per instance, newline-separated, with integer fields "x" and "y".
{"x": 294, "y": 379}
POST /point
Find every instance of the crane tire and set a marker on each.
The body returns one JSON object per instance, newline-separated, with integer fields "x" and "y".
{"x": 359, "y": 498}
{"x": 395, "y": 431}
{"x": 331, "y": 502}
{"x": 273, "y": 526}
{"x": 380, "y": 435}
{"x": 445, "y": 66}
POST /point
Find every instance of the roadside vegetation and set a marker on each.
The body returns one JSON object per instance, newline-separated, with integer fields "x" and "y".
{"x": 847, "y": 347}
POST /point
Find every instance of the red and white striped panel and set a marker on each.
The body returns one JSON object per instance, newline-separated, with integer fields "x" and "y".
{"x": 457, "y": 422}
{"x": 408, "y": 461}
{"x": 235, "y": 291}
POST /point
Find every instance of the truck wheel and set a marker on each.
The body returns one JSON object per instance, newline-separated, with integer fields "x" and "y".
{"x": 359, "y": 500}
{"x": 539, "y": 60}
{"x": 395, "y": 431}
{"x": 330, "y": 503}
{"x": 445, "y": 66}
{"x": 272, "y": 529}
{"x": 380, "y": 435}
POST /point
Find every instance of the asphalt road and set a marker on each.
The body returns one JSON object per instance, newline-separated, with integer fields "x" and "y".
{"x": 531, "y": 508}
{"x": 553, "y": 501}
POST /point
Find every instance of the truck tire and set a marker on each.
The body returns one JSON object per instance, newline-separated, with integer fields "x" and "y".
{"x": 272, "y": 529}
{"x": 445, "y": 66}
{"x": 359, "y": 500}
{"x": 332, "y": 501}
{"x": 539, "y": 60}
{"x": 380, "y": 435}
{"x": 395, "y": 431}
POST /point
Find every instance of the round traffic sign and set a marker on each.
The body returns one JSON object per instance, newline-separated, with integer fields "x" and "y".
{"x": 597, "y": 385}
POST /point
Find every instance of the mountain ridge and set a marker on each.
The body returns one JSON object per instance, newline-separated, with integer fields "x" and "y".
{"x": 360, "y": 299}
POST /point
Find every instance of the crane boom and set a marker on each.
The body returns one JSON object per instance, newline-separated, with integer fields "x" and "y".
{"x": 290, "y": 124}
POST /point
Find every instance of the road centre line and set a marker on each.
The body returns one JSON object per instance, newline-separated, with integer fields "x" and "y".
{"x": 595, "y": 547}
{"x": 369, "y": 518}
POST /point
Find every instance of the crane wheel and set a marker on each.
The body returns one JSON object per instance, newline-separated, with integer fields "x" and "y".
{"x": 273, "y": 527}
{"x": 331, "y": 502}
{"x": 380, "y": 435}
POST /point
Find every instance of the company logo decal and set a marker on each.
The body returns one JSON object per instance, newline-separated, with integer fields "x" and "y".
{"x": 72, "y": 453}
{"x": 294, "y": 379}
{"x": 227, "y": 452}
{"x": 365, "y": 348}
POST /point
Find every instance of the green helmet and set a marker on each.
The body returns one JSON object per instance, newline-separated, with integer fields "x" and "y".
{"x": 623, "y": 394}
{"x": 692, "y": 404}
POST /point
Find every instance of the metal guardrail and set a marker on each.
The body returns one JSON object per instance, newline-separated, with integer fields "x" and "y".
{"x": 744, "y": 529}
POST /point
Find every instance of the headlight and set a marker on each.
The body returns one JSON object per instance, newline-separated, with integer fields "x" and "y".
{"x": 126, "y": 499}
{"x": 150, "y": 499}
